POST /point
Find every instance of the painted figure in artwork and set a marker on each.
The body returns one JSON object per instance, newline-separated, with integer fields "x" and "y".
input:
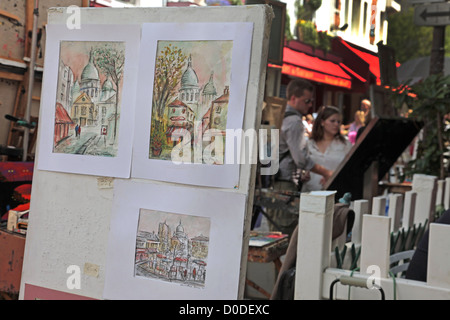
{"x": 190, "y": 100}
{"x": 88, "y": 97}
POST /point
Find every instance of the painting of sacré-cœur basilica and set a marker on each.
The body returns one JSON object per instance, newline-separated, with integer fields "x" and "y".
{"x": 190, "y": 98}
{"x": 88, "y": 98}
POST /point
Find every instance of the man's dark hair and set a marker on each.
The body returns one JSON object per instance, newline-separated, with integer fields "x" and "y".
{"x": 297, "y": 87}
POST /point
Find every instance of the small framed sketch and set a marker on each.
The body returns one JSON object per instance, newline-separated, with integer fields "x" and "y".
{"x": 191, "y": 101}
{"x": 173, "y": 242}
{"x": 88, "y": 99}
{"x": 172, "y": 247}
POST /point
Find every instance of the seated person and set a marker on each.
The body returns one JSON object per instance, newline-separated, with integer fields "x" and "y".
{"x": 417, "y": 269}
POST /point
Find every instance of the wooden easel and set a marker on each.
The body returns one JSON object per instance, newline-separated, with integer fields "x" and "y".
{"x": 48, "y": 184}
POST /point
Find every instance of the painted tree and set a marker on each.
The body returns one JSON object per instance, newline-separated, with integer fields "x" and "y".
{"x": 168, "y": 70}
{"x": 111, "y": 62}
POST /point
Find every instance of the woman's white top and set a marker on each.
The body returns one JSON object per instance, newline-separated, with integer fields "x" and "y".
{"x": 330, "y": 159}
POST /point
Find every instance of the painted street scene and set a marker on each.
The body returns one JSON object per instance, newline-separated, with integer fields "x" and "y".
{"x": 172, "y": 247}
{"x": 88, "y": 103}
{"x": 190, "y": 97}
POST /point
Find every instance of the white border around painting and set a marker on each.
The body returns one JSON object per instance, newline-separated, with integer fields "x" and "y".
{"x": 221, "y": 176}
{"x": 120, "y": 165}
{"x": 226, "y": 211}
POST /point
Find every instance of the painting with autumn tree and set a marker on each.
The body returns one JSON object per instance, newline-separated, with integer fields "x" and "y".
{"x": 88, "y": 102}
{"x": 190, "y": 99}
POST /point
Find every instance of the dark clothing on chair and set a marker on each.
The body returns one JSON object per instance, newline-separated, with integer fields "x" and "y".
{"x": 417, "y": 269}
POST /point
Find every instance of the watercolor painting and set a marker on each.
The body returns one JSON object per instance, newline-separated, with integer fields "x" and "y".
{"x": 190, "y": 100}
{"x": 88, "y": 97}
{"x": 172, "y": 247}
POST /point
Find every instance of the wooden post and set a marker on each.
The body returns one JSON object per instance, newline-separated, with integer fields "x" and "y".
{"x": 447, "y": 194}
{"x": 314, "y": 243}
{"x": 379, "y": 206}
{"x": 375, "y": 244}
{"x": 425, "y": 187}
{"x": 26, "y": 135}
{"x": 28, "y": 27}
{"x": 437, "y": 50}
{"x": 409, "y": 208}
{"x": 395, "y": 210}
{"x": 16, "y": 105}
{"x": 440, "y": 192}
{"x": 438, "y": 252}
{"x": 361, "y": 207}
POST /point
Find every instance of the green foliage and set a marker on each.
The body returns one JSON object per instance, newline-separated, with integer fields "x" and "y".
{"x": 340, "y": 256}
{"x": 428, "y": 101}
{"x": 324, "y": 42}
{"x": 110, "y": 62}
{"x": 440, "y": 209}
{"x": 307, "y": 32}
{"x": 409, "y": 40}
{"x": 157, "y": 136}
{"x": 168, "y": 70}
{"x": 306, "y": 29}
{"x": 306, "y": 11}
{"x": 287, "y": 29}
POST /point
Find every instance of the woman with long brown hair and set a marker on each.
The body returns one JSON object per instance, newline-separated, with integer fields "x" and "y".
{"x": 326, "y": 145}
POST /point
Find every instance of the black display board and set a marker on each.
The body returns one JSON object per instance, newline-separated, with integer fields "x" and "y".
{"x": 382, "y": 141}
{"x": 276, "y": 41}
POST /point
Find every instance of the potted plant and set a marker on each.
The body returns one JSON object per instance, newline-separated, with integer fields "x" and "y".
{"x": 306, "y": 11}
{"x": 428, "y": 101}
{"x": 324, "y": 40}
{"x": 307, "y": 33}
{"x": 157, "y": 140}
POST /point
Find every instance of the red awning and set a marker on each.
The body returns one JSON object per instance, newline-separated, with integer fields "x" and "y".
{"x": 61, "y": 115}
{"x": 301, "y": 65}
{"x": 352, "y": 72}
{"x": 358, "y": 59}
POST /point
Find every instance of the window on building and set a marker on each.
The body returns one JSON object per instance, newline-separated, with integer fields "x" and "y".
{"x": 337, "y": 12}
{"x": 356, "y": 14}
{"x": 366, "y": 6}
{"x": 383, "y": 22}
{"x": 346, "y": 10}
